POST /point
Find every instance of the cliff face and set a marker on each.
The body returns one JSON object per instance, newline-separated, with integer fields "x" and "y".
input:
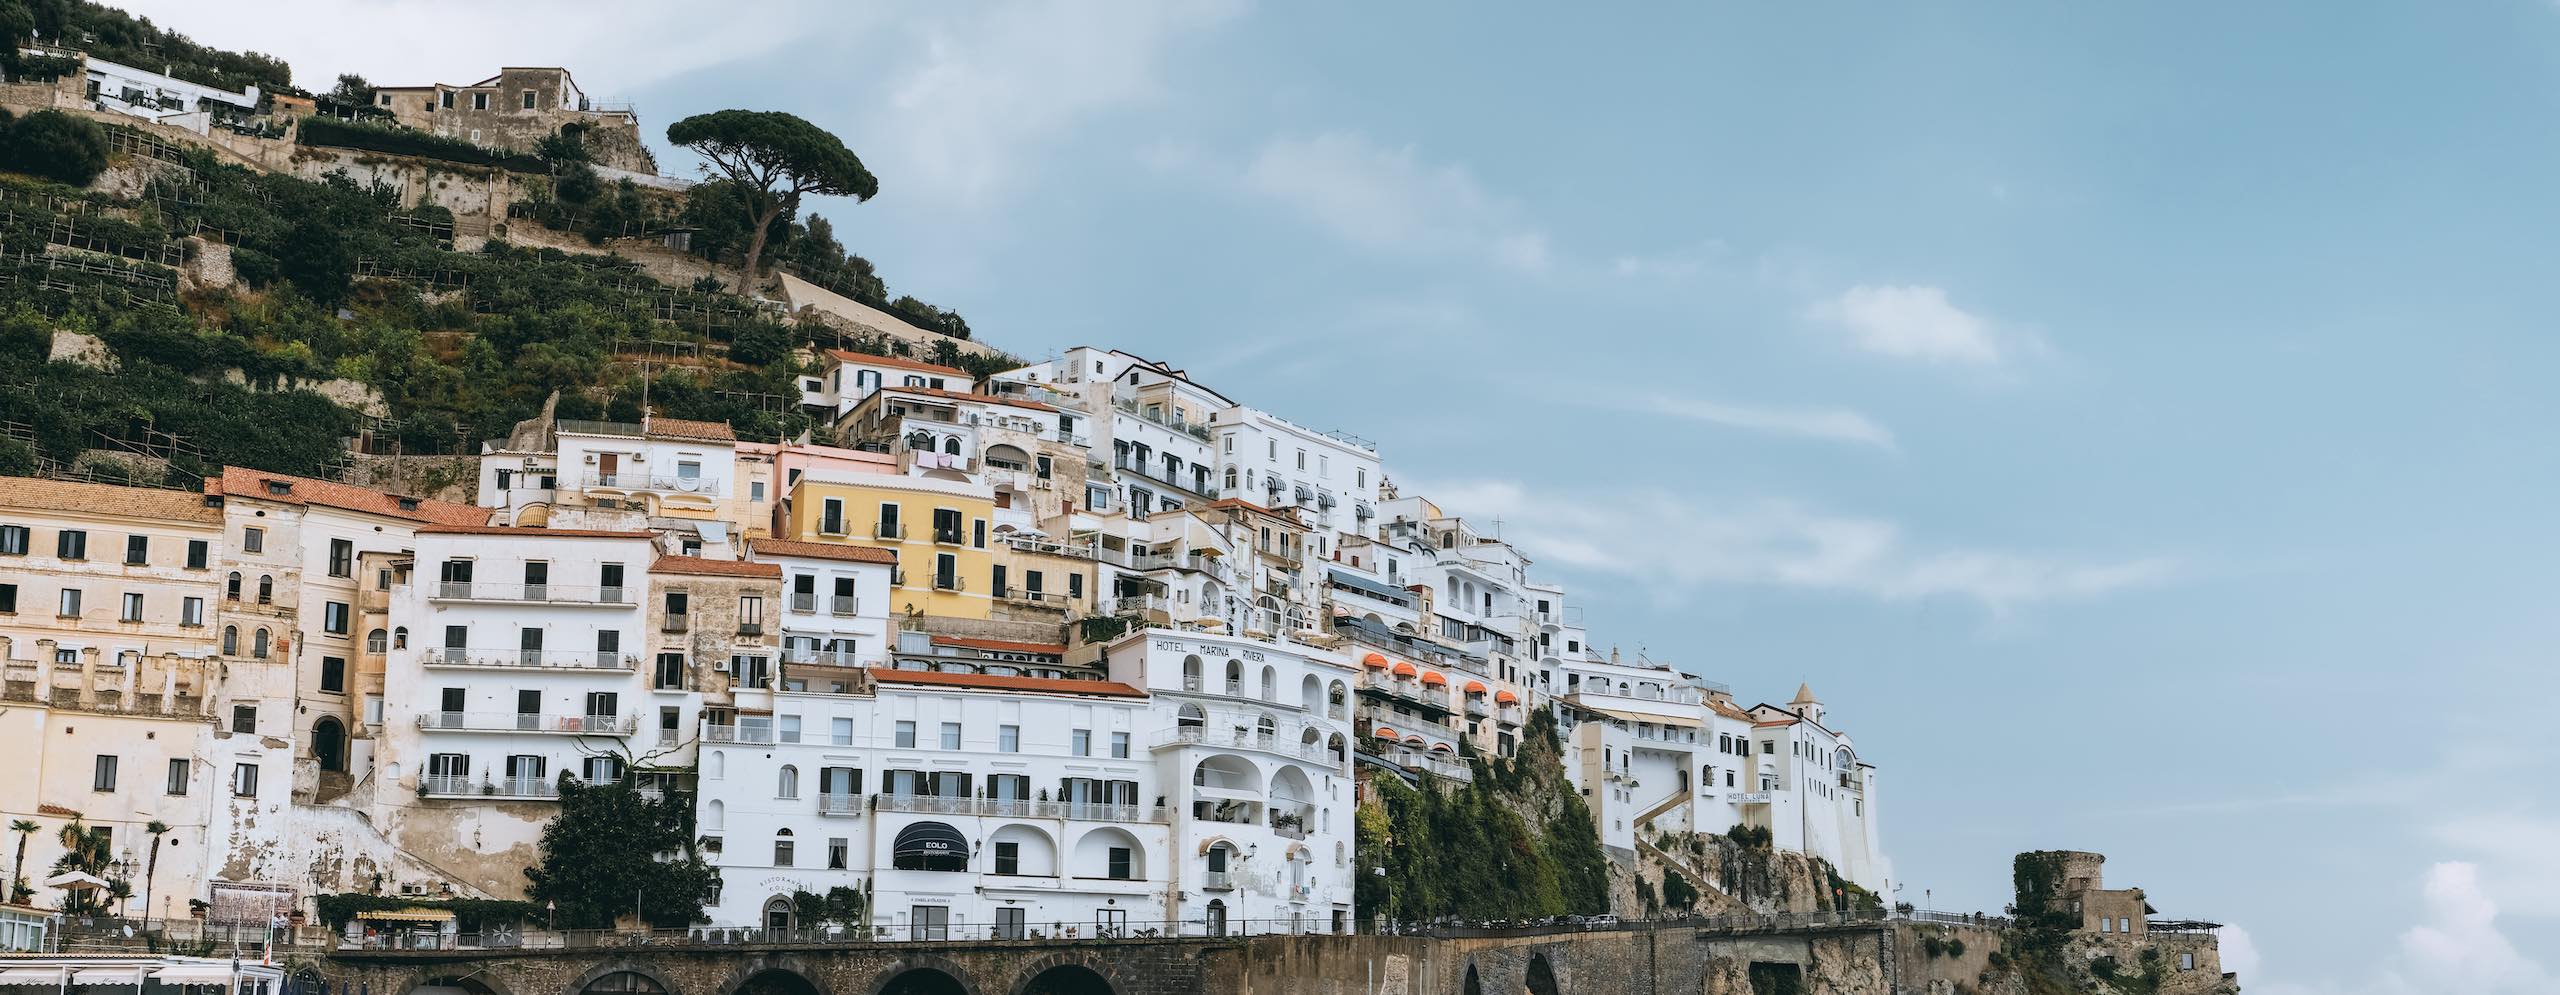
{"x": 1712, "y": 875}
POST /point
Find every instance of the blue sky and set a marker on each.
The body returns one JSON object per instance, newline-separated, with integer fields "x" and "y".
{"x": 2134, "y": 419}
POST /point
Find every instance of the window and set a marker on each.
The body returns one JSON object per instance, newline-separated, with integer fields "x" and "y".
{"x": 978, "y": 533}
{"x": 1009, "y": 739}
{"x": 528, "y": 100}
{"x": 1082, "y": 742}
{"x": 191, "y": 613}
{"x": 132, "y": 608}
{"x": 750, "y": 615}
{"x": 333, "y": 675}
{"x": 951, "y": 735}
{"x": 1010, "y": 925}
{"x": 782, "y": 849}
{"x": 266, "y": 589}
{"x": 1120, "y": 745}
{"x": 479, "y": 102}
{"x": 69, "y": 605}
{"x": 928, "y": 922}
{"x": 103, "y": 778}
{"x": 670, "y": 672}
{"x": 13, "y": 540}
{"x": 946, "y": 526}
{"x": 906, "y": 735}
{"x": 839, "y": 853}
{"x": 8, "y": 599}
{"x": 253, "y": 539}
{"x": 2186, "y": 962}
{"x": 179, "y": 774}
{"x": 1122, "y": 868}
{"x": 946, "y": 572}
{"x": 71, "y": 544}
{"x": 137, "y": 550}
{"x": 342, "y": 558}
{"x": 787, "y": 784}
{"x": 831, "y": 518}
{"x": 244, "y": 780}
{"x": 1008, "y": 857}
{"x": 333, "y": 618}
{"x": 231, "y": 640}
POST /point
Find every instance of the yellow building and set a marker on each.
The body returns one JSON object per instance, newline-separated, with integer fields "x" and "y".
{"x": 940, "y": 529}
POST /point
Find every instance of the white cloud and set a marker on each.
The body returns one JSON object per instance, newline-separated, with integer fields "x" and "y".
{"x": 2524, "y": 849}
{"x": 1917, "y": 323}
{"x": 1388, "y": 199}
{"x": 2239, "y": 953}
{"x": 1680, "y": 541}
{"x": 1832, "y": 424}
{"x": 2456, "y": 946}
{"x": 964, "y": 124}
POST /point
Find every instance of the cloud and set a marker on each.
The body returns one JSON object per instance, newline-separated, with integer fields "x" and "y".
{"x": 2239, "y": 953}
{"x": 2456, "y": 946}
{"x": 1388, "y": 199}
{"x": 963, "y": 122}
{"x": 2526, "y": 851}
{"x": 1831, "y": 424}
{"x": 1679, "y": 541}
{"x": 1917, "y": 323}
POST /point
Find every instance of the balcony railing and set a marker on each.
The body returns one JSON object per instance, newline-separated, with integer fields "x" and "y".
{"x": 705, "y": 486}
{"x": 842, "y": 604}
{"x": 1217, "y": 881}
{"x": 1049, "y": 598}
{"x": 1028, "y": 544}
{"x": 737, "y": 734}
{"x": 1133, "y": 604}
{"x": 822, "y": 658}
{"x": 582, "y": 725}
{"x": 1018, "y": 808}
{"x": 458, "y": 656}
{"x": 465, "y": 786}
{"x": 675, "y": 623}
{"x": 1159, "y": 417}
{"x": 888, "y": 530}
{"x": 954, "y": 583}
{"x": 1295, "y": 749}
{"x": 839, "y": 804}
{"x": 549, "y": 594}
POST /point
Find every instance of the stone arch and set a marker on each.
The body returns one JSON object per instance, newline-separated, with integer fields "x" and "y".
{"x": 1541, "y": 979}
{"x": 1065, "y": 974}
{"x": 1473, "y": 987}
{"x": 922, "y": 974}
{"x": 459, "y": 976}
{"x": 613, "y": 967}
{"x": 784, "y": 975}
{"x": 329, "y": 744}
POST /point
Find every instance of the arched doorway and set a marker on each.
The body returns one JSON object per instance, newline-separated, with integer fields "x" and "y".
{"x": 1217, "y": 916}
{"x": 1542, "y": 978}
{"x": 623, "y": 983}
{"x": 1067, "y": 979}
{"x": 459, "y": 981}
{"x": 777, "y": 913}
{"x": 1473, "y": 987}
{"x": 329, "y": 744}
{"x": 923, "y": 981}
{"x": 777, "y": 981}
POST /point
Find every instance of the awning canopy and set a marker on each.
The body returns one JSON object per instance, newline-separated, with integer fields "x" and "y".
{"x": 1434, "y": 677}
{"x": 1404, "y": 670}
{"x": 193, "y": 974}
{"x": 1505, "y": 698}
{"x": 1372, "y": 588}
{"x": 1374, "y": 661}
{"x": 932, "y": 841}
{"x": 406, "y": 915}
{"x": 75, "y": 881}
{"x": 32, "y": 976}
{"x": 1383, "y": 732}
{"x": 108, "y": 976}
{"x": 1475, "y": 687}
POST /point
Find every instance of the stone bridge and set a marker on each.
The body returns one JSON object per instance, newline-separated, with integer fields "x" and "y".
{"x": 1868, "y": 958}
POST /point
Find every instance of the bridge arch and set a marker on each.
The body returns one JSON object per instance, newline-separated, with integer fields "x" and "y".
{"x": 922, "y": 975}
{"x": 783, "y": 975}
{"x": 617, "y": 977}
{"x": 1473, "y": 987}
{"x": 465, "y": 978}
{"x": 1541, "y": 979}
{"x": 1065, "y": 974}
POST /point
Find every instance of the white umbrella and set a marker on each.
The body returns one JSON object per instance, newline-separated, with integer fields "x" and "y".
{"x": 75, "y": 881}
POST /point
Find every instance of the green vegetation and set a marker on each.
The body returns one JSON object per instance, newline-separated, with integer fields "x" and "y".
{"x": 53, "y": 145}
{"x": 771, "y": 160}
{"x": 116, "y": 36}
{"x": 1516, "y": 842}
{"x": 85, "y": 851}
{"x": 614, "y": 850}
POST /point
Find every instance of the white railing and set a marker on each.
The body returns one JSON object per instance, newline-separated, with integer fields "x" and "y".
{"x": 1017, "y": 808}
{"x": 607, "y": 725}
{"x": 705, "y": 486}
{"x": 737, "y": 734}
{"x": 839, "y": 804}
{"x": 465, "y": 786}
{"x": 824, "y": 658}
{"x": 1133, "y": 604}
{"x": 1027, "y": 544}
{"x": 549, "y": 594}
{"x": 457, "y": 656}
{"x": 1314, "y": 753}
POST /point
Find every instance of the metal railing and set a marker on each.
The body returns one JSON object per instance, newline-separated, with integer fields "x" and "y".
{"x": 821, "y": 658}
{"x": 551, "y": 594}
{"x": 843, "y": 604}
{"x": 521, "y": 659}
{"x": 1217, "y": 881}
{"x": 839, "y": 804}
{"x": 1132, "y": 604}
{"x": 602, "y": 725}
{"x": 466, "y": 786}
{"x": 1299, "y": 749}
{"x": 737, "y": 734}
{"x": 705, "y": 486}
{"x": 887, "y": 530}
{"x": 676, "y": 623}
{"x": 1017, "y": 808}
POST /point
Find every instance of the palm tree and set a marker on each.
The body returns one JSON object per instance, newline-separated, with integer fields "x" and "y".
{"x": 82, "y": 851}
{"x": 151, "y": 866}
{"x": 18, "y": 890}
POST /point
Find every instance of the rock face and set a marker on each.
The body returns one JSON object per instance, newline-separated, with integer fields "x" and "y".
{"x": 1729, "y": 877}
{"x": 85, "y": 350}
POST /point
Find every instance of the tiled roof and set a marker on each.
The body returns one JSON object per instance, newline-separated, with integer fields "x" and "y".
{"x": 106, "y": 499}
{"x": 699, "y": 567}
{"x": 528, "y": 533}
{"x": 822, "y": 551}
{"x": 1001, "y": 645}
{"x": 894, "y": 362}
{"x": 678, "y": 428}
{"x": 242, "y": 482}
{"x": 1049, "y": 685}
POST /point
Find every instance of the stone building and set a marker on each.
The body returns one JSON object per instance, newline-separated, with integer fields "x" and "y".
{"x": 518, "y": 107}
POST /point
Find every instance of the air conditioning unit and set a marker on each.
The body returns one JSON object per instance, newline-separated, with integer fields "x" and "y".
{"x": 412, "y": 890}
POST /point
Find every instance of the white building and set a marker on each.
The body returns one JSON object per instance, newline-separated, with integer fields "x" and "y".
{"x": 836, "y": 601}
{"x": 1331, "y": 478}
{"x": 164, "y": 99}
{"x": 845, "y": 378}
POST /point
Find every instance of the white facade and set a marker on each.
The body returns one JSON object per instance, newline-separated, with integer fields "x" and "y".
{"x": 163, "y": 99}
{"x": 1329, "y": 477}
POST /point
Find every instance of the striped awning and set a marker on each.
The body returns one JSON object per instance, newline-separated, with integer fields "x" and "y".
{"x": 51, "y": 976}
{"x": 406, "y": 915}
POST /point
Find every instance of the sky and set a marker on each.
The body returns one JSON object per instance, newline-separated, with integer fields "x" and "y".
{"x": 2134, "y": 420}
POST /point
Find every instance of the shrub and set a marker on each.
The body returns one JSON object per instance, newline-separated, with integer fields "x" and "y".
{"x": 54, "y": 145}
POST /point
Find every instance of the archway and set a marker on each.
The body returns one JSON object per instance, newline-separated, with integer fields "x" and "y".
{"x": 1473, "y": 987}
{"x": 923, "y": 981}
{"x": 777, "y": 981}
{"x": 1067, "y": 979}
{"x": 622, "y": 983}
{"x": 329, "y": 744}
{"x": 467, "y": 982}
{"x": 1542, "y": 978}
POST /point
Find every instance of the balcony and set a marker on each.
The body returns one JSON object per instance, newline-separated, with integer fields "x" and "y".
{"x": 570, "y": 725}
{"x": 1217, "y": 881}
{"x": 751, "y": 630}
{"x": 1138, "y": 604}
{"x": 1160, "y": 417}
{"x": 464, "y": 786}
{"x": 521, "y": 659}
{"x": 839, "y": 804}
{"x": 543, "y": 594}
{"x": 1017, "y": 808}
{"x": 821, "y": 658}
{"x": 761, "y": 735}
{"x": 951, "y": 583}
{"x": 841, "y": 604}
{"x": 894, "y": 531}
{"x": 678, "y": 622}
{"x": 1509, "y": 715}
{"x": 705, "y": 486}
{"x": 1477, "y": 708}
{"x": 1028, "y": 544}
{"x": 1230, "y": 739}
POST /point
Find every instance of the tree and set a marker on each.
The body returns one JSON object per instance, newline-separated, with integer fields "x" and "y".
{"x": 151, "y": 865}
{"x": 54, "y": 145}
{"x": 86, "y": 852}
{"x": 775, "y": 159}
{"x": 612, "y": 849}
{"x": 352, "y": 91}
{"x": 18, "y": 890}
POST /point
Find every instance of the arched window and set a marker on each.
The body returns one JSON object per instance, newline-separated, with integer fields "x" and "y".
{"x": 788, "y": 785}
{"x": 951, "y": 445}
{"x": 400, "y": 637}
{"x": 1191, "y": 672}
{"x": 377, "y": 641}
{"x": 266, "y": 589}
{"x": 717, "y": 766}
{"x": 715, "y": 816}
{"x": 1217, "y": 917}
{"x": 777, "y": 912}
{"x": 231, "y": 588}
{"x": 1264, "y": 728}
{"x": 1270, "y": 683}
{"x": 231, "y": 640}
{"x": 1235, "y": 678}
{"x": 1191, "y": 717}
{"x": 1231, "y": 478}
{"x": 258, "y": 645}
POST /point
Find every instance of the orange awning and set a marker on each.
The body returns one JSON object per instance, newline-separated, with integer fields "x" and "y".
{"x": 1374, "y": 661}
{"x": 1440, "y": 748}
{"x": 1475, "y": 687}
{"x": 1433, "y": 677}
{"x": 1404, "y": 670}
{"x": 1506, "y": 698}
{"x": 1383, "y": 732}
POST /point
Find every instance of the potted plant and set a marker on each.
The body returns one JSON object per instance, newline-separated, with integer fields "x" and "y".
{"x": 196, "y": 907}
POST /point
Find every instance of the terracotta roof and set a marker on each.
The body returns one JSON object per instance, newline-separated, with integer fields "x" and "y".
{"x": 822, "y": 551}
{"x": 1774, "y": 722}
{"x": 107, "y": 499}
{"x": 699, "y": 567}
{"x": 894, "y": 362}
{"x": 242, "y": 482}
{"x": 1050, "y": 685}
{"x": 528, "y": 533}
{"x": 1728, "y": 711}
{"x": 962, "y": 395}
{"x": 678, "y": 428}
{"x": 1001, "y": 645}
